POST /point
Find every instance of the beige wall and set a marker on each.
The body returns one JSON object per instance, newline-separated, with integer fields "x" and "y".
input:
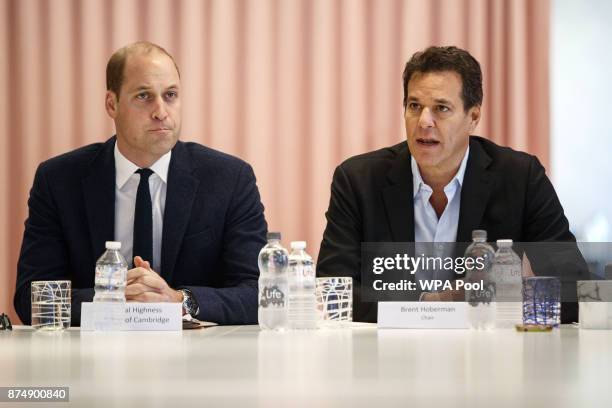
{"x": 292, "y": 86}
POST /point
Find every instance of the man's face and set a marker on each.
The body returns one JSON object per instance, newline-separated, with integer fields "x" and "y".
{"x": 147, "y": 113}
{"x": 437, "y": 127}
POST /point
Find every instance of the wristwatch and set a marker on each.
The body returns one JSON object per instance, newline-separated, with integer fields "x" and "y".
{"x": 190, "y": 304}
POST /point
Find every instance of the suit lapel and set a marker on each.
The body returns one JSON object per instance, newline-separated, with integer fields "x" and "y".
{"x": 398, "y": 198}
{"x": 181, "y": 191}
{"x": 99, "y": 195}
{"x": 475, "y": 192}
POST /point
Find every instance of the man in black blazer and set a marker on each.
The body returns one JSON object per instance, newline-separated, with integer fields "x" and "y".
{"x": 202, "y": 250}
{"x": 374, "y": 198}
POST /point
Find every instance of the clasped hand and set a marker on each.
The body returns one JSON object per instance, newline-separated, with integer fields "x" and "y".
{"x": 145, "y": 285}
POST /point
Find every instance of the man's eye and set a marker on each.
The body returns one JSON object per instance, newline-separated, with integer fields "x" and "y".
{"x": 414, "y": 106}
{"x": 142, "y": 95}
{"x": 171, "y": 94}
{"x": 443, "y": 108}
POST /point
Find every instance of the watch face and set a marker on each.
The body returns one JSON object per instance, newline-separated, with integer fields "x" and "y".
{"x": 190, "y": 304}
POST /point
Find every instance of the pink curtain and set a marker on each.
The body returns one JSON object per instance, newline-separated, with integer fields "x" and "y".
{"x": 292, "y": 86}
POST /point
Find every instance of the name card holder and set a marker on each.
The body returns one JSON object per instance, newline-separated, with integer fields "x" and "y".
{"x": 109, "y": 316}
{"x": 422, "y": 315}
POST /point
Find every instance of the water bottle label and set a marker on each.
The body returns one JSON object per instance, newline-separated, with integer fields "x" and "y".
{"x": 485, "y": 295}
{"x": 272, "y": 296}
{"x": 507, "y": 274}
{"x": 110, "y": 276}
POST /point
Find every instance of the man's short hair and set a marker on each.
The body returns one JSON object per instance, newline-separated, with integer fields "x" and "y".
{"x": 116, "y": 63}
{"x": 437, "y": 59}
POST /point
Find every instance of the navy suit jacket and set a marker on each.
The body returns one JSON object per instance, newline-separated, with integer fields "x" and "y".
{"x": 213, "y": 228}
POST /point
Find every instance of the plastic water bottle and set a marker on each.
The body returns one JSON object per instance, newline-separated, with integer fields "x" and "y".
{"x": 273, "y": 286}
{"x": 111, "y": 275}
{"x": 302, "y": 300}
{"x": 481, "y": 302}
{"x": 507, "y": 272}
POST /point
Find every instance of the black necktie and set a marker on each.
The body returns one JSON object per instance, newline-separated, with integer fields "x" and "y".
{"x": 143, "y": 219}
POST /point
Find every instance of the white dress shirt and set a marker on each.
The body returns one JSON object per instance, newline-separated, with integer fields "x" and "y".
{"x": 427, "y": 226}
{"x": 126, "y": 188}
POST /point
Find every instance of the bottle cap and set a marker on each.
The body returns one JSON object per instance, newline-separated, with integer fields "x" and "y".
{"x": 273, "y": 236}
{"x": 479, "y": 234}
{"x": 504, "y": 243}
{"x": 298, "y": 244}
{"x": 113, "y": 245}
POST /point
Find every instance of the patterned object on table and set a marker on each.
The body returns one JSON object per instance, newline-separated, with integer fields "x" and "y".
{"x": 335, "y": 298}
{"x": 542, "y": 300}
{"x": 51, "y": 305}
{"x": 5, "y": 322}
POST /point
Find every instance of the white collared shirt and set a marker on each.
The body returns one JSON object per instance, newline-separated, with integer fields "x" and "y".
{"x": 126, "y": 188}
{"x": 427, "y": 226}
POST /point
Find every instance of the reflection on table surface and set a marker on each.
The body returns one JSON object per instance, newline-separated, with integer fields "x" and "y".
{"x": 356, "y": 366}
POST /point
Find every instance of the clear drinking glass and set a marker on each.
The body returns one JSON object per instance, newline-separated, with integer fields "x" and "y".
{"x": 335, "y": 301}
{"x": 51, "y": 305}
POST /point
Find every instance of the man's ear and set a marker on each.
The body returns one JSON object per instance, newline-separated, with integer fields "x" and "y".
{"x": 474, "y": 117}
{"x": 110, "y": 104}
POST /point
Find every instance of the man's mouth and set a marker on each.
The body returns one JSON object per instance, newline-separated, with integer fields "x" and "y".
{"x": 424, "y": 141}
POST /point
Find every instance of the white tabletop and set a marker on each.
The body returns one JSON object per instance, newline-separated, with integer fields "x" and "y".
{"x": 358, "y": 367}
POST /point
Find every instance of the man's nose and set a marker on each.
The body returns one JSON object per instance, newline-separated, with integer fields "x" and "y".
{"x": 426, "y": 119}
{"x": 160, "y": 112}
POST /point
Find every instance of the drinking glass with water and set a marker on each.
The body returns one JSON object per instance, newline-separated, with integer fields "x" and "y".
{"x": 51, "y": 307}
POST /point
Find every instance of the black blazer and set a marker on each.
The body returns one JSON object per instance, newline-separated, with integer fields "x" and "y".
{"x": 504, "y": 192}
{"x": 213, "y": 228}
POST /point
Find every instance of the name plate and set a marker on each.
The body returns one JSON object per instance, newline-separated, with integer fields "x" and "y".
{"x": 108, "y": 316}
{"x": 422, "y": 315}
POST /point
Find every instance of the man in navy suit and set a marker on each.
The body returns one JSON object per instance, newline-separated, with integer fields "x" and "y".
{"x": 189, "y": 218}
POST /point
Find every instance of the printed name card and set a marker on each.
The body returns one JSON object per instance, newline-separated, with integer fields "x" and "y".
{"x": 108, "y": 316}
{"x": 422, "y": 315}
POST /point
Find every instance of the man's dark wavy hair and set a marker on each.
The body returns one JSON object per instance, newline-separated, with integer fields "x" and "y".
{"x": 437, "y": 59}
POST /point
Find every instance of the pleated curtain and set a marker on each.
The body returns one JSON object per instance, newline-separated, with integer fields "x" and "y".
{"x": 292, "y": 86}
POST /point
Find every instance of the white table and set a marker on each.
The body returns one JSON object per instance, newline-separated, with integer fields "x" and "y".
{"x": 358, "y": 367}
